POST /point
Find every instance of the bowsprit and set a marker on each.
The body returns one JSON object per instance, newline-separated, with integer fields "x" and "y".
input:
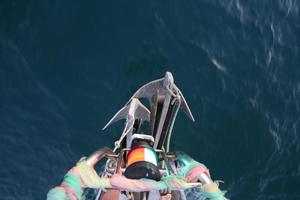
{"x": 141, "y": 165}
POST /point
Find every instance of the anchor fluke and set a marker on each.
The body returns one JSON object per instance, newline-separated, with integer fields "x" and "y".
{"x": 131, "y": 111}
{"x": 162, "y": 87}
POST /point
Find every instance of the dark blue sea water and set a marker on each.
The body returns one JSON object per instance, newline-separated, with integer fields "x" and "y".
{"x": 67, "y": 66}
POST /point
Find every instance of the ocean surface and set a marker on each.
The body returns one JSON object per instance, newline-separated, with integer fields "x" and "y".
{"x": 66, "y": 67}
